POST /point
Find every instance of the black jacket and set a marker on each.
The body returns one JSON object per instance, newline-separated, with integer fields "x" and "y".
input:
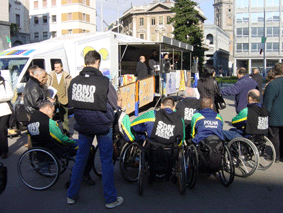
{"x": 208, "y": 88}
{"x": 34, "y": 95}
{"x": 258, "y": 79}
{"x": 95, "y": 121}
{"x": 141, "y": 71}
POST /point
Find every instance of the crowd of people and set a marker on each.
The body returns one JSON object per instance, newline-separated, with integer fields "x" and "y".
{"x": 95, "y": 100}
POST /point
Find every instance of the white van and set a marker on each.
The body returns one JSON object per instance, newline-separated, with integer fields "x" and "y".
{"x": 119, "y": 54}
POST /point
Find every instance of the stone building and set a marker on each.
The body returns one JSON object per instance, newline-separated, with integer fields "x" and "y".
{"x": 19, "y": 18}
{"x": 151, "y": 22}
{"x": 4, "y": 25}
{"x": 219, "y": 47}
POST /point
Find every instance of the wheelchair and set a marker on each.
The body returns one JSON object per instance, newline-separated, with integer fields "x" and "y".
{"x": 197, "y": 161}
{"x": 159, "y": 162}
{"x": 251, "y": 153}
{"x": 39, "y": 168}
{"x": 119, "y": 144}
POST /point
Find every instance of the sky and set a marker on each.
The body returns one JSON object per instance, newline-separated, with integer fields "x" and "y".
{"x": 111, "y": 7}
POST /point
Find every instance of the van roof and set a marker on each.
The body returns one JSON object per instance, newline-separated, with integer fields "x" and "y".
{"x": 33, "y": 49}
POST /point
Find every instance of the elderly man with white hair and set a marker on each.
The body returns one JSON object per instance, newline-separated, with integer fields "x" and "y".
{"x": 187, "y": 107}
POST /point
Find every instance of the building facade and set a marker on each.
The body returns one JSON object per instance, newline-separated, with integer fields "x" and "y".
{"x": 219, "y": 48}
{"x": 19, "y": 18}
{"x": 151, "y": 22}
{"x": 52, "y": 18}
{"x": 4, "y": 25}
{"x": 253, "y": 20}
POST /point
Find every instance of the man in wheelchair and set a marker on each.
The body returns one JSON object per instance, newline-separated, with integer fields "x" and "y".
{"x": 45, "y": 133}
{"x": 207, "y": 135}
{"x": 163, "y": 128}
{"x": 251, "y": 122}
{"x": 187, "y": 107}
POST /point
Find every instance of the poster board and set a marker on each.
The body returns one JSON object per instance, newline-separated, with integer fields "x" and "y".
{"x": 182, "y": 80}
{"x": 170, "y": 87}
{"x": 146, "y": 91}
{"x": 178, "y": 77}
{"x": 128, "y": 94}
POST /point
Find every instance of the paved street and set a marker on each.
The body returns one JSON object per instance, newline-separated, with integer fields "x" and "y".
{"x": 261, "y": 192}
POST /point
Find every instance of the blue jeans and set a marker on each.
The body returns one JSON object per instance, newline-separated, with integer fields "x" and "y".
{"x": 231, "y": 134}
{"x": 105, "y": 145}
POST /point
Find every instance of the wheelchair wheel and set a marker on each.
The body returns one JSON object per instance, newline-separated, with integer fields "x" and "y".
{"x": 226, "y": 174}
{"x": 38, "y": 168}
{"x": 181, "y": 172}
{"x": 191, "y": 165}
{"x": 245, "y": 156}
{"x": 267, "y": 154}
{"x": 142, "y": 171}
{"x": 129, "y": 161}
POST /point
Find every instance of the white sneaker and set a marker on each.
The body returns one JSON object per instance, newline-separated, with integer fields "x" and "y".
{"x": 118, "y": 202}
{"x": 70, "y": 201}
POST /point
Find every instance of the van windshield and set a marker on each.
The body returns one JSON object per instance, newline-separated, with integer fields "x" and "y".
{"x": 11, "y": 68}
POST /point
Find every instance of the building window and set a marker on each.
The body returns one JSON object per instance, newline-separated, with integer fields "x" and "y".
{"x": 70, "y": 2}
{"x": 272, "y": 47}
{"x": 257, "y": 32}
{"x": 45, "y": 35}
{"x": 84, "y": 17}
{"x": 18, "y": 20}
{"x": 44, "y": 3}
{"x": 168, "y": 19}
{"x": 53, "y": 3}
{"x": 142, "y": 36}
{"x": 160, "y": 20}
{"x": 54, "y": 18}
{"x": 272, "y": 32}
{"x": 272, "y": 3}
{"x": 152, "y": 21}
{"x": 257, "y": 3}
{"x": 36, "y": 36}
{"x": 70, "y": 31}
{"x": 35, "y": 20}
{"x": 256, "y": 47}
{"x": 141, "y": 21}
{"x": 44, "y": 19}
{"x": 272, "y": 16}
{"x": 210, "y": 38}
{"x": 35, "y": 4}
{"x": 242, "y": 32}
{"x": 242, "y": 3}
{"x": 242, "y": 17}
{"x": 70, "y": 16}
{"x": 242, "y": 47}
{"x": 53, "y": 34}
{"x": 257, "y": 17}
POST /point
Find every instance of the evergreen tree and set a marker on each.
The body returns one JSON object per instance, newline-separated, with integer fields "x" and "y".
{"x": 187, "y": 29}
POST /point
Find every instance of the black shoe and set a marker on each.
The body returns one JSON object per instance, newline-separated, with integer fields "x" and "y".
{"x": 87, "y": 179}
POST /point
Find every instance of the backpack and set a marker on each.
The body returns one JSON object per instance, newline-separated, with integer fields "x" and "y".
{"x": 211, "y": 154}
{"x": 3, "y": 177}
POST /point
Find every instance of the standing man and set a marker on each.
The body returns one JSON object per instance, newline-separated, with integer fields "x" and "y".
{"x": 34, "y": 93}
{"x": 241, "y": 89}
{"x": 94, "y": 100}
{"x": 258, "y": 78}
{"x": 60, "y": 80}
{"x": 153, "y": 62}
{"x": 273, "y": 101}
{"x": 141, "y": 71}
